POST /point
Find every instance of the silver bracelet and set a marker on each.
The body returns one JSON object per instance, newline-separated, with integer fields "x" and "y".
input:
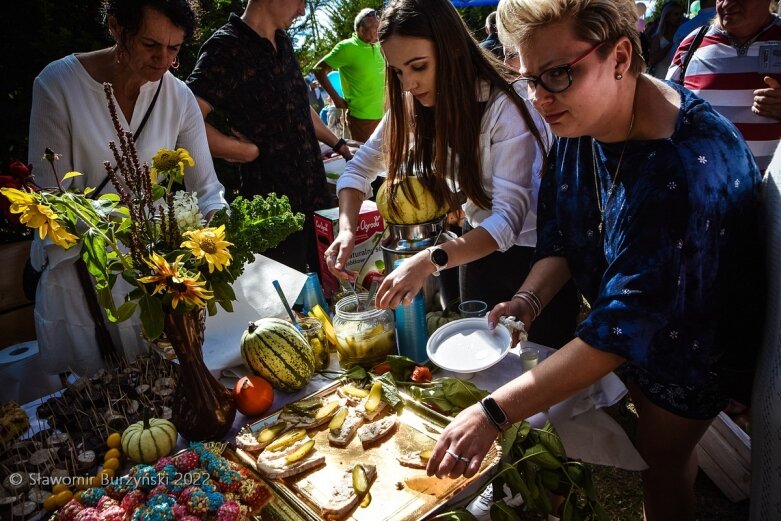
{"x": 530, "y": 298}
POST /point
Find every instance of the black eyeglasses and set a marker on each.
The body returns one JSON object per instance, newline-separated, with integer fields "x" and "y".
{"x": 557, "y": 79}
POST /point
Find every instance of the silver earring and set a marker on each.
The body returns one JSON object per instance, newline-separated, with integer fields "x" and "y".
{"x": 619, "y": 76}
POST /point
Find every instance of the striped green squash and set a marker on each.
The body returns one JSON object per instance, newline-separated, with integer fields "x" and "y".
{"x": 277, "y": 351}
{"x": 149, "y": 440}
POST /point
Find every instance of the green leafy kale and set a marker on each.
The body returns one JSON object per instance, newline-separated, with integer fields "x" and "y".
{"x": 255, "y": 225}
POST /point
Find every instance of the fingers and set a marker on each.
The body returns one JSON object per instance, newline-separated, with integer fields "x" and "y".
{"x": 499, "y": 310}
{"x": 393, "y": 293}
{"x": 772, "y": 82}
{"x": 448, "y": 462}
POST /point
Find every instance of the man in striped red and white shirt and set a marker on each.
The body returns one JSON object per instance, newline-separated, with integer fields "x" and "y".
{"x": 737, "y": 69}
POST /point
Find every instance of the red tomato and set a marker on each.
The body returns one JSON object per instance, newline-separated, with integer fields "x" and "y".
{"x": 253, "y": 395}
{"x": 421, "y": 373}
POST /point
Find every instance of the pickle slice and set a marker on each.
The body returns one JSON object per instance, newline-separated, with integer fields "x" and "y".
{"x": 375, "y": 395}
{"x": 326, "y": 410}
{"x": 271, "y": 432}
{"x": 367, "y": 499}
{"x": 286, "y": 440}
{"x": 355, "y": 392}
{"x": 305, "y": 407}
{"x": 360, "y": 480}
{"x": 425, "y": 455}
{"x": 300, "y": 452}
{"x": 338, "y": 420}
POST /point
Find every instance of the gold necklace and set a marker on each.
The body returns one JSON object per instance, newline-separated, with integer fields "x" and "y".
{"x": 615, "y": 176}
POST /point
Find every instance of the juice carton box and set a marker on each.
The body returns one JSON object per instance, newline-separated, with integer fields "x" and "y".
{"x": 366, "y": 255}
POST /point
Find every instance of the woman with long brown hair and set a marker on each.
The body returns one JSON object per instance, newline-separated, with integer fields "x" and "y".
{"x": 456, "y": 122}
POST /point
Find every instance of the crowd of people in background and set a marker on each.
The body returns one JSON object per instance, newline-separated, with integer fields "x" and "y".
{"x": 578, "y": 170}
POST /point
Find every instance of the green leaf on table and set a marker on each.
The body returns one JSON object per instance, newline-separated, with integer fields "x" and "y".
{"x": 552, "y": 442}
{"x": 389, "y": 389}
{"x": 355, "y": 373}
{"x": 541, "y": 456}
{"x": 401, "y": 367}
{"x": 433, "y": 397}
{"x": 514, "y": 480}
{"x": 460, "y": 393}
{"x": 501, "y": 511}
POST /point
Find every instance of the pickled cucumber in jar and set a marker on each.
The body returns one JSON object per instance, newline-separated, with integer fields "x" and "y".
{"x": 364, "y": 335}
{"x": 315, "y": 335}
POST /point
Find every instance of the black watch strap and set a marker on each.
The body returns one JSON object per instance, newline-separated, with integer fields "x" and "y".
{"x": 495, "y": 413}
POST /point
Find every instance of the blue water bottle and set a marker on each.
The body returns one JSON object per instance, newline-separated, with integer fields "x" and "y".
{"x": 411, "y": 334}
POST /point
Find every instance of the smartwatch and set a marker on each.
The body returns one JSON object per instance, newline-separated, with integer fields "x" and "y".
{"x": 495, "y": 413}
{"x": 438, "y": 258}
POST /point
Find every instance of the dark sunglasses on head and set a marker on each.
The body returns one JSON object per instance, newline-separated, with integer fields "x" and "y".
{"x": 557, "y": 79}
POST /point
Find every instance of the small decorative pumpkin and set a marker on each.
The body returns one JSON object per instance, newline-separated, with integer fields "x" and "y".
{"x": 437, "y": 319}
{"x": 253, "y": 395}
{"x": 425, "y": 211}
{"x": 149, "y": 440}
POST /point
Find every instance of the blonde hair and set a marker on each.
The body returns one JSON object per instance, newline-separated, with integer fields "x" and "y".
{"x": 593, "y": 21}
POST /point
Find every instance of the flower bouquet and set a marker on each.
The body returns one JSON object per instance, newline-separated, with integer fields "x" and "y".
{"x": 175, "y": 263}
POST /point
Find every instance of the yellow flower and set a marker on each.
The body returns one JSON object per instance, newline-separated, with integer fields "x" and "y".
{"x": 210, "y": 244}
{"x": 38, "y": 216}
{"x": 174, "y": 280}
{"x": 170, "y": 163}
{"x": 190, "y": 290}
{"x": 163, "y": 273}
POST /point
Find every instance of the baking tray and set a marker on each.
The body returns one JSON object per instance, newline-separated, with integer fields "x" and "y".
{"x": 399, "y": 493}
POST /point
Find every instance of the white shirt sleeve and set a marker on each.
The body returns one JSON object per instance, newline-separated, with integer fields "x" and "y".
{"x": 365, "y": 165}
{"x": 511, "y": 161}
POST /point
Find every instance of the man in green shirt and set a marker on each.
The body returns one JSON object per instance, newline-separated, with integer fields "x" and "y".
{"x": 362, "y": 71}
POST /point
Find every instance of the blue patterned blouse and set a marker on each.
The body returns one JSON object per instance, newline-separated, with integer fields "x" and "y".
{"x": 676, "y": 283}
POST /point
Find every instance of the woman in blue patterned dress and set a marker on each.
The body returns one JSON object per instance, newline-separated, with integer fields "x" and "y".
{"x": 651, "y": 204}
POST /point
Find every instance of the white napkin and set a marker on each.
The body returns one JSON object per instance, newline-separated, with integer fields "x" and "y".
{"x": 255, "y": 298}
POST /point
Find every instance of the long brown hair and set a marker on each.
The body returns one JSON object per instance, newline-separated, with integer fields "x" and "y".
{"x": 445, "y": 138}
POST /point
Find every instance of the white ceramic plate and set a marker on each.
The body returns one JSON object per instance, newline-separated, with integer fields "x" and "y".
{"x": 467, "y": 345}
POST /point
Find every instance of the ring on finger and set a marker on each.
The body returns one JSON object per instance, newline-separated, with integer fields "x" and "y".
{"x": 459, "y": 458}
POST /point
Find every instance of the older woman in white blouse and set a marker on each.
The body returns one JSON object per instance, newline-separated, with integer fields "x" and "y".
{"x": 70, "y": 116}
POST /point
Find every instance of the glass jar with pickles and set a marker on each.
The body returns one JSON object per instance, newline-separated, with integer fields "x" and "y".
{"x": 315, "y": 335}
{"x": 364, "y": 335}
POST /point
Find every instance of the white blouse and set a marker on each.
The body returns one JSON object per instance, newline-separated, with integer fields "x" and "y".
{"x": 70, "y": 115}
{"x": 510, "y": 167}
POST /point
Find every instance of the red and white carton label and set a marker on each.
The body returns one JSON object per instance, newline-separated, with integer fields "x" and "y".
{"x": 367, "y": 245}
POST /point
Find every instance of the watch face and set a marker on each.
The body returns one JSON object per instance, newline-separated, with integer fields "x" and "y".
{"x": 439, "y": 256}
{"x": 494, "y": 410}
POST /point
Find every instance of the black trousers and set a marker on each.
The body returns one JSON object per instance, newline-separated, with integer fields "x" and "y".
{"x": 496, "y": 277}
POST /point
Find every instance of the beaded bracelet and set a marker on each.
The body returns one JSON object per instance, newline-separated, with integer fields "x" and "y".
{"x": 530, "y": 298}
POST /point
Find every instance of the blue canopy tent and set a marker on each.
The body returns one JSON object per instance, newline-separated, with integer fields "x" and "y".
{"x": 474, "y": 3}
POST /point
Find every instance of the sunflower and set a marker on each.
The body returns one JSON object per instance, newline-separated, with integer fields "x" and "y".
{"x": 209, "y": 244}
{"x": 191, "y": 291}
{"x": 173, "y": 279}
{"x": 40, "y": 216}
{"x": 170, "y": 163}
{"x": 163, "y": 273}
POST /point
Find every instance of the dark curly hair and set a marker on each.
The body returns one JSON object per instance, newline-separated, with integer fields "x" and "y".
{"x": 130, "y": 13}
